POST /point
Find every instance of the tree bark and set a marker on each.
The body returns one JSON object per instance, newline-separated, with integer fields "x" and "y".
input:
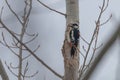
{"x": 71, "y": 64}
{"x": 3, "y": 72}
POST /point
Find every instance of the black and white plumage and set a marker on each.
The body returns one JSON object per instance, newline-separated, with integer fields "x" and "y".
{"x": 74, "y": 38}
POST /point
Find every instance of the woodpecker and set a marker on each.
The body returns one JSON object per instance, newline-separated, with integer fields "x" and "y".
{"x": 74, "y": 38}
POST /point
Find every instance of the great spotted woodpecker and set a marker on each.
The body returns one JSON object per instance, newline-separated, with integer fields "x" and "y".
{"x": 74, "y": 38}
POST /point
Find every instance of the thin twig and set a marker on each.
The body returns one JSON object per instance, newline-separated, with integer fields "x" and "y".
{"x": 15, "y": 43}
{"x": 31, "y": 75}
{"x": 36, "y": 48}
{"x": 82, "y": 54}
{"x": 9, "y": 47}
{"x": 105, "y": 7}
{"x": 95, "y": 35}
{"x": 3, "y": 43}
{"x": 51, "y": 8}
{"x": 31, "y": 39}
{"x": 94, "y": 47}
{"x": 13, "y": 66}
{"x": 106, "y": 20}
{"x": 31, "y": 52}
{"x": 84, "y": 40}
{"x": 25, "y": 71}
{"x": 98, "y": 47}
{"x": 27, "y": 14}
{"x": 11, "y": 70}
{"x": 101, "y": 54}
{"x": 26, "y": 57}
{"x": 13, "y": 11}
{"x": 30, "y": 34}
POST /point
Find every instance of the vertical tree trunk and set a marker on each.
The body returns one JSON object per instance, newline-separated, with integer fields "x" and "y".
{"x": 72, "y": 11}
{"x": 71, "y": 64}
{"x": 3, "y": 72}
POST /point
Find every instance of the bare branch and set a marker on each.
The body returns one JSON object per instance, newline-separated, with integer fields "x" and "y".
{"x": 26, "y": 57}
{"x": 31, "y": 52}
{"x": 9, "y": 47}
{"x": 98, "y": 47}
{"x": 26, "y": 70}
{"x": 105, "y": 7}
{"x": 27, "y": 13}
{"x": 94, "y": 36}
{"x": 25, "y": 10}
{"x": 36, "y": 48}
{"x": 15, "y": 43}
{"x": 51, "y": 8}
{"x": 95, "y": 45}
{"x": 15, "y": 33}
{"x": 106, "y": 20}
{"x": 30, "y": 34}
{"x": 13, "y": 11}
{"x": 84, "y": 40}
{"x": 31, "y": 39}
{"x": 101, "y": 54}
{"x": 11, "y": 70}
{"x": 31, "y": 75}
{"x": 82, "y": 54}
{"x": 13, "y": 66}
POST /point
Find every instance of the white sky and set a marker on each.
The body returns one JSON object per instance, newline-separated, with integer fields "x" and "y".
{"x": 51, "y": 27}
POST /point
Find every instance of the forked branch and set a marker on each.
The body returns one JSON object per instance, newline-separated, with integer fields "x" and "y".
{"x": 94, "y": 38}
{"x": 101, "y": 54}
{"x": 30, "y": 51}
{"x": 13, "y": 11}
{"x": 18, "y": 41}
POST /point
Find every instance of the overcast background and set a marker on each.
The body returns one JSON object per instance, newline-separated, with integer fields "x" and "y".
{"x": 51, "y": 28}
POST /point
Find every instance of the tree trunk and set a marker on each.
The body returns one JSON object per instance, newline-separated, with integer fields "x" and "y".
{"x": 3, "y": 72}
{"x": 71, "y": 64}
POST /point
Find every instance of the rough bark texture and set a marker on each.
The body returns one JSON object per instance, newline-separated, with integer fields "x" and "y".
{"x": 3, "y": 72}
{"x": 71, "y": 64}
